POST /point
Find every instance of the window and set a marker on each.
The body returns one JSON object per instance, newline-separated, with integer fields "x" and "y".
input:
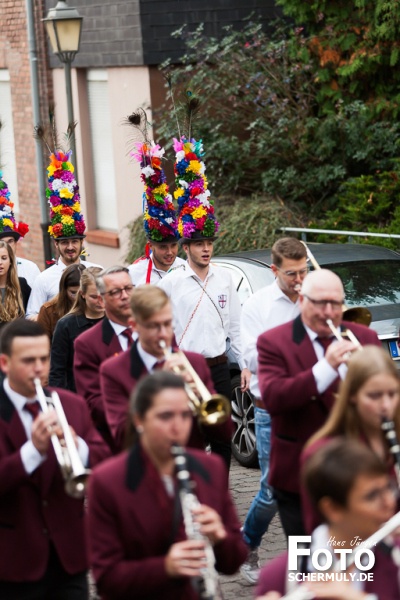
{"x": 8, "y": 162}
{"x": 102, "y": 150}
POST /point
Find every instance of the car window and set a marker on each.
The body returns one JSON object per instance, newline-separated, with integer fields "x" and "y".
{"x": 240, "y": 281}
{"x": 370, "y": 283}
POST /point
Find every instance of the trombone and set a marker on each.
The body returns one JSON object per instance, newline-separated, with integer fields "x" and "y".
{"x": 209, "y": 409}
{"x": 356, "y": 314}
{"x": 72, "y": 469}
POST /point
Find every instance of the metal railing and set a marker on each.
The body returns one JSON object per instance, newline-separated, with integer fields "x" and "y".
{"x": 350, "y": 234}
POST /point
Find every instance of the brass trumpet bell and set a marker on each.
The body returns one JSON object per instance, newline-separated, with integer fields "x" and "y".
{"x": 357, "y": 314}
{"x": 213, "y": 411}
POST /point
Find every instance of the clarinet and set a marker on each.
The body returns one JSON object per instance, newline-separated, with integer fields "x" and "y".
{"x": 207, "y": 585}
{"x": 389, "y": 430}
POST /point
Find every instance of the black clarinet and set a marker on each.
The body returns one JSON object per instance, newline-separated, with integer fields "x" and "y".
{"x": 389, "y": 429}
{"x": 208, "y": 584}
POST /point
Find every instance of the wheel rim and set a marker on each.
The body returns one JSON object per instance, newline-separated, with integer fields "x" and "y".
{"x": 244, "y": 438}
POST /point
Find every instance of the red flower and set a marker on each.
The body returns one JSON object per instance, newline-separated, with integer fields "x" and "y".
{"x": 22, "y": 229}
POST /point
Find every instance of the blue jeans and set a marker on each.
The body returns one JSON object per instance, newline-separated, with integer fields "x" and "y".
{"x": 263, "y": 507}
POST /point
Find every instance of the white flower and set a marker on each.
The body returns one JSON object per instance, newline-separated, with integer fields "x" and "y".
{"x": 180, "y": 155}
{"x": 148, "y": 171}
{"x": 7, "y": 210}
{"x": 203, "y": 198}
{"x": 169, "y": 220}
{"x": 57, "y": 184}
{"x": 183, "y": 183}
{"x": 202, "y": 168}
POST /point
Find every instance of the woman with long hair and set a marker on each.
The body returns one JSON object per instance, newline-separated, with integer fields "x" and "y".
{"x": 369, "y": 393}
{"x": 14, "y": 290}
{"x": 52, "y": 311}
{"x": 87, "y": 310}
{"x": 141, "y": 534}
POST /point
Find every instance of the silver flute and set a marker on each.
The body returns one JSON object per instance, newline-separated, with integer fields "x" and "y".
{"x": 208, "y": 584}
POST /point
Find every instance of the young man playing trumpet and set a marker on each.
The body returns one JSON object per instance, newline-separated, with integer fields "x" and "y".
{"x": 300, "y": 366}
{"x": 152, "y": 321}
{"x": 42, "y": 540}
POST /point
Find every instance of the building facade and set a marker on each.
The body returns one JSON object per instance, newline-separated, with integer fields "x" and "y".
{"x": 114, "y": 73}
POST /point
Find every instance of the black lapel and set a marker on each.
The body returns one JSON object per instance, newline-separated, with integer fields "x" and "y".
{"x": 135, "y": 470}
{"x": 7, "y": 408}
{"x": 299, "y": 331}
{"x": 107, "y": 331}
{"x": 136, "y": 364}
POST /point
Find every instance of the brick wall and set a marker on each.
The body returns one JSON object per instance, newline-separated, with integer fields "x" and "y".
{"x": 14, "y": 56}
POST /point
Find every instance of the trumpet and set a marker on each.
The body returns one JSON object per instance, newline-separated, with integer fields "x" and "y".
{"x": 356, "y": 314}
{"x": 346, "y": 333}
{"x": 72, "y": 469}
{"x": 209, "y": 409}
{"x": 297, "y": 593}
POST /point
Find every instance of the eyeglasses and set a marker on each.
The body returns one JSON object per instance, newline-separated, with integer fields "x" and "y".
{"x": 293, "y": 274}
{"x": 157, "y": 326}
{"x": 117, "y": 293}
{"x": 324, "y": 303}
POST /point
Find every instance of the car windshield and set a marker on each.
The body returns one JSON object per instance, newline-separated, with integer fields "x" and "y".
{"x": 371, "y": 283}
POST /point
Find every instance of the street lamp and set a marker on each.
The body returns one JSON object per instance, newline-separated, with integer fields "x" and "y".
{"x": 64, "y": 26}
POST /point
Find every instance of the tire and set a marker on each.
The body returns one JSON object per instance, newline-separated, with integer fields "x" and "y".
{"x": 244, "y": 438}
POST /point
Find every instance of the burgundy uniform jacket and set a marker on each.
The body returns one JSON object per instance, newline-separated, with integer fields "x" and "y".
{"x": 91, "y": 348}
{"x": 118, "y": 377}
{"x": 34, "y": 509}
{"x": 288, "y": 389}
{"x": 131, "y": 526}
{"x": 385, "y": 582}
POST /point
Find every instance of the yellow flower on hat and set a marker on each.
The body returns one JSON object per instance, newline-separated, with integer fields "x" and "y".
{"x": 50, "y": 170}
{"x": 65, "y": 193}
{"x": 50, "y": 229}
{"x": 161, "y": 189}
{"x": 178, "y": 193}
{"x": 194, "y": 166}
{"x": 76, "y": 207}
{"x": 180, "y": 228}
{"x": 8, "y": 222}
{"x": 199, "y": 212}
{"x": 67, "y": 220}
{"x": 70, "y": 167}
{"x": 58, "y": 208}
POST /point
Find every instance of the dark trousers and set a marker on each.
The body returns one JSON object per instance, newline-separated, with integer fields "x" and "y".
{"x": 290, "y": 514}
{"x": 56, "y": 584}
{"x": 222, "y": 384}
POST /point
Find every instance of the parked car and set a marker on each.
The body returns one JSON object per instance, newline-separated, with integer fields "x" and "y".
{"x": 371, "y": 278}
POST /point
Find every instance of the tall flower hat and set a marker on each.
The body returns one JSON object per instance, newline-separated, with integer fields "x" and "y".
{"x": 159, "y": 216}
{"x": 62, "y": 190}
{"x": 8, "y": 224}
{"x": 196, "y": 218}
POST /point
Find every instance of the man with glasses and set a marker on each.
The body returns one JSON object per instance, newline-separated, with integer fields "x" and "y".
{"x": 46, "y": 284}
{"x": 152, "y": 321}
{"x": 269, "y": 307}
{"x": 300, "y": 367}
{"x": 108, "y": 338}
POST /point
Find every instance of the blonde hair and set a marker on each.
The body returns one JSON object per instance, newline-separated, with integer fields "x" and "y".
{"x": 147, "y": 300}
{"x": 344, "y": 419}
{"x": 88, "y": 277}
{"x": 13, "y": 306}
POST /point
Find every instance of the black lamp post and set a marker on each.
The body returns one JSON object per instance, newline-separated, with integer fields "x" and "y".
{"x": 64, "y": 26}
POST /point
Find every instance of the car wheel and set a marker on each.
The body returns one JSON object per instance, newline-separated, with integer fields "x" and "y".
{"x": 244, "y": 438}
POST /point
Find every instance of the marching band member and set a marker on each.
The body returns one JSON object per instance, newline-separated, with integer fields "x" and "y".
{"x": 107, "y": 338}
{"x": 138, "y": 544}
{"x": 369, "y": 392}
{"x": 42, "y": 537}
{"x": 298, "y": 379}
{"x": 352, "y": 491}
{"x": 152, "y": 321}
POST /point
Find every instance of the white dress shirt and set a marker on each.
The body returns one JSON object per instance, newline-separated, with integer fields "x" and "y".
{"x": 30, "y": 456}
{"x": 47, "y": 285}
{"x": 204, "y": 320}
{"x": 149, "y": 360}
{"x": 267, "y": 308}
{"x": 27, "y": 269}
{"x": 123, "y": 340}
{"x": 324, "y": 374}
{"x": 138, "y": 271}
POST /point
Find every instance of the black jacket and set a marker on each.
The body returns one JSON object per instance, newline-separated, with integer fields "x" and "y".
{"x": 62, "y": 349}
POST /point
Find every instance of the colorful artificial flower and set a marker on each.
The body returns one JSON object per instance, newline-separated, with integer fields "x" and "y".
{"x": 8, "y": 223}
{"x": 159, "y": 217}
{"x": 63, "y": 196}
{"x": 195, "y": 209}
